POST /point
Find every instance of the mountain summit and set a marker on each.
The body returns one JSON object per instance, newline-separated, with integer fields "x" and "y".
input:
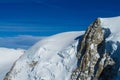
{"x": 90, "y": 55}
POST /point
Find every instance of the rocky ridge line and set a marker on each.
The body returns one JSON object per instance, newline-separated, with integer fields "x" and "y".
{"x": 91, "y": 55}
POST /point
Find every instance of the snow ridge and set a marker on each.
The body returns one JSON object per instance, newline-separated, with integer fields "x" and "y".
{"x": 53, "y": 58}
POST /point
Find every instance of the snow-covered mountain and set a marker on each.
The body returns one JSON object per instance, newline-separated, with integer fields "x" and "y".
{"x": 7, "y": 58}
{"x": 93, "y": 55}
{"x": 50, "y": 59}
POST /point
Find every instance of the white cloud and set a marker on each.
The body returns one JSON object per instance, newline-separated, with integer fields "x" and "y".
{"x": 21, "y": 41}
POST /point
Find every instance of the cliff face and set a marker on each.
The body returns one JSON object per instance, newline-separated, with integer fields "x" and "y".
{"x": 91, "y": 55}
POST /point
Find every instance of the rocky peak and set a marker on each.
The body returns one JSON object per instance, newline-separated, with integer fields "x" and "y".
{"x": 91, "y": 54}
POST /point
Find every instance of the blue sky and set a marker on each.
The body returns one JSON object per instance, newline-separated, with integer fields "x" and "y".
{"x": 48, "y": 17}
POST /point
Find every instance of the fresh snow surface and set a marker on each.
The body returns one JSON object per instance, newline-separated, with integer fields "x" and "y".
{"x": 52, "y": 58}
{"x": 112, "y": 31}
{"x": 113, "y": 26}
{"x": 7, "y": 58}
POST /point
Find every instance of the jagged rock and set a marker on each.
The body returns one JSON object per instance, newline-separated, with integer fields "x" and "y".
{"x": 105, "y": 60}
{"x": 91, "y": 55}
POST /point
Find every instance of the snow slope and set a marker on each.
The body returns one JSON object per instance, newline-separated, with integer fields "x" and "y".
{"x": 112, "y": 31}
{"x": 53, "y": 58}
{"x": 7, "y": 58}
{"x": 113, "y": 25}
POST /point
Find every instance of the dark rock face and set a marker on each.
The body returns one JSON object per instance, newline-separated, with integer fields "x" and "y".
{"x": 91, "y": 54}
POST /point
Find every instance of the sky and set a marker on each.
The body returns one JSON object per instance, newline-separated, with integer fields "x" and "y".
{"x": 38, "y": 18}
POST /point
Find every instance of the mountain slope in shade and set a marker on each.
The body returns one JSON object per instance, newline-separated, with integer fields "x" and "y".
{"x": 65, "y": 56}
{"x": 112, "y": 43}
{"x": 7, "y": 58}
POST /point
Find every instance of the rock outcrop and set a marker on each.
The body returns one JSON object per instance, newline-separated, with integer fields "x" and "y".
{"x": 91, "y": 55}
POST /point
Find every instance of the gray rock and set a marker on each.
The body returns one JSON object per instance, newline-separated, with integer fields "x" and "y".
{"x": 91, "y": 54}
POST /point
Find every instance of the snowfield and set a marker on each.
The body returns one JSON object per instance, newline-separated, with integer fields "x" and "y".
{"x": 7, "y": 58}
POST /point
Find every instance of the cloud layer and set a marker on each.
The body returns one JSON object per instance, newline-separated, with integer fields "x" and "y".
{"x": 21, "y": 41}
